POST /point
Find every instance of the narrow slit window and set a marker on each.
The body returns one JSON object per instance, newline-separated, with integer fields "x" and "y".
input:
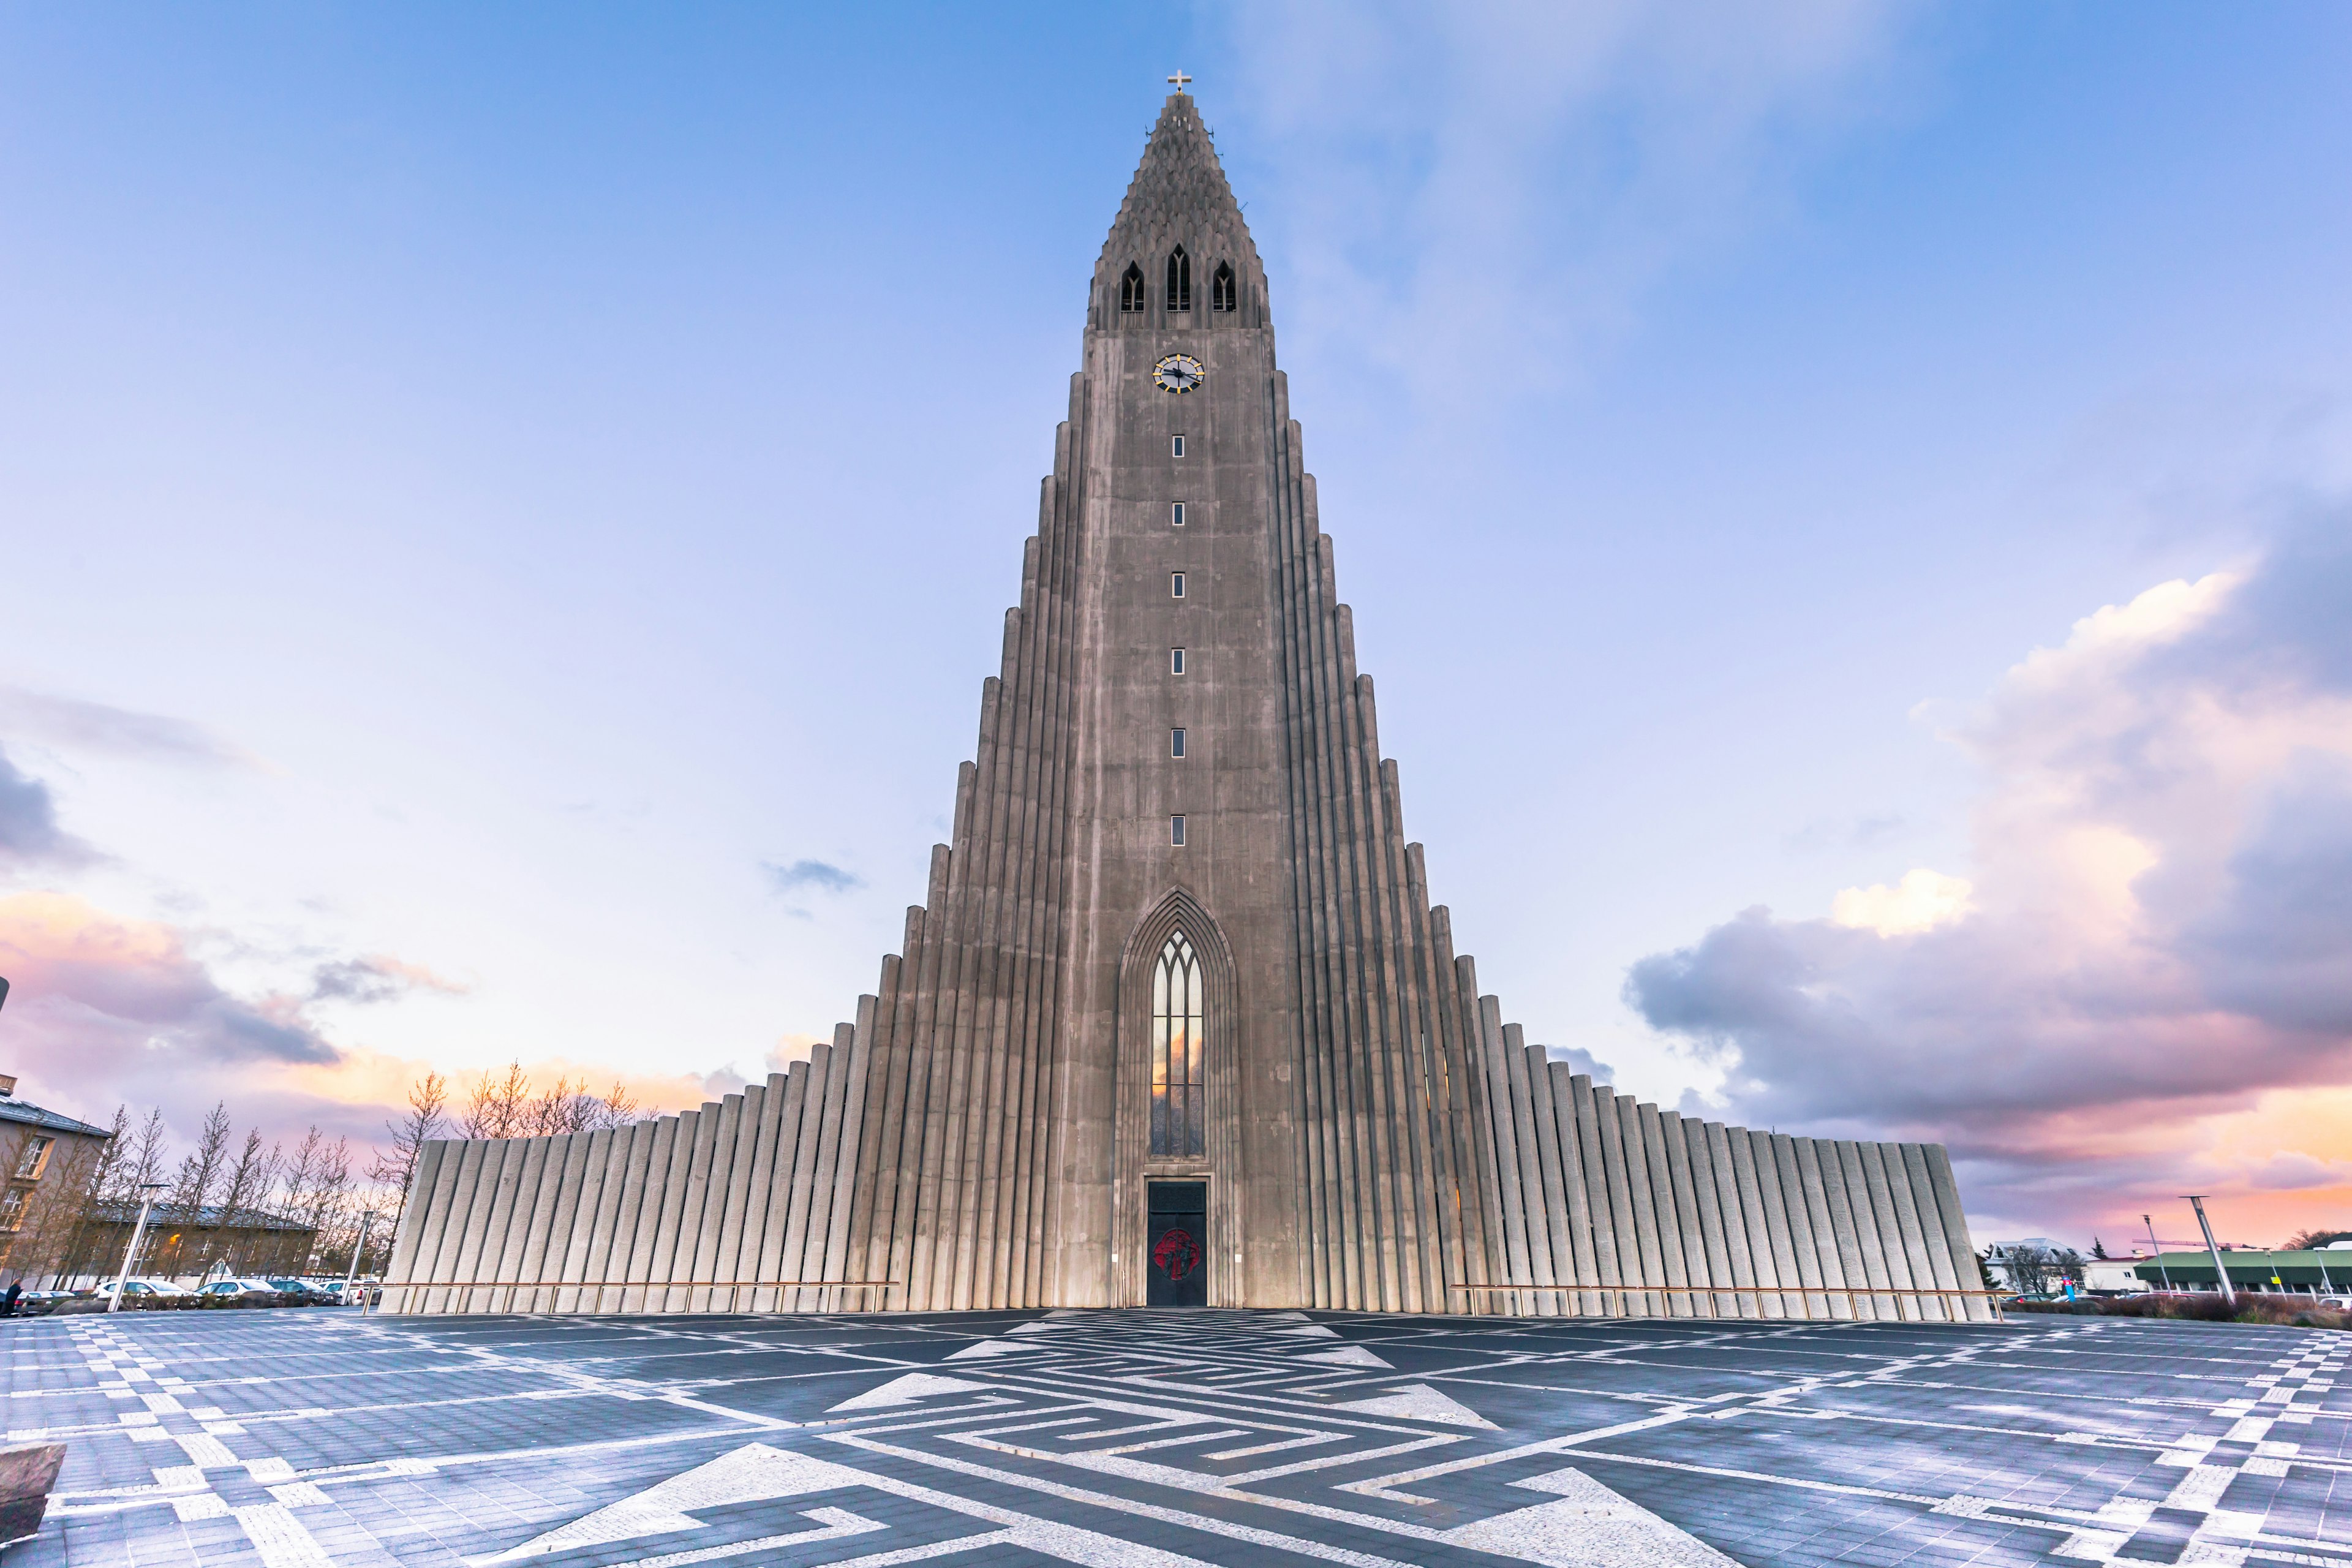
{"x": 1176, "y": 514}
{"x": 1176, "y": 446}
{"x": 1175, "y": 584}
{"x": 1180, "y": 280}
{"x": 1175, "y": 661}
{"x": 1130, "y": 290}
{"x": 1175, "y": 743}
{"x": 1176, "y": 830}
{"x": 1221, "y": 287}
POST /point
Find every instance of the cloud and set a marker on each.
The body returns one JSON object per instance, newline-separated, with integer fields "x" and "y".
{"x": 1923, "y": 901}
{"x": 99, "y": 996}
{"x": 811, "y": 874}
{"x": 96, "y": 727}
{"x": 376, "y": 978}
{"x": 1578, "y": 1060}
{"x": 29, "y": 834}
{"x": 2154, "y": 945}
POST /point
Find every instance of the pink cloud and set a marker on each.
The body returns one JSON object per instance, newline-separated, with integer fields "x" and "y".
{"x": 2156, "y": 936}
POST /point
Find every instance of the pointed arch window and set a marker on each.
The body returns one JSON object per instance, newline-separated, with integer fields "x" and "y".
{"x": 1178, "y": 1101}
{"x": 1180, "y": 280}
{"x": 1221, "y": 287}
{"x": 1130, "y": 289}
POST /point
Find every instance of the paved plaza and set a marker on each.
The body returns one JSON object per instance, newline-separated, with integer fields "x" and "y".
{"x": 298, "y": 1439}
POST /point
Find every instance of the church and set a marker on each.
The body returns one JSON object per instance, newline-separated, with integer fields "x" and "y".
{"x": 1176, "y": 1022}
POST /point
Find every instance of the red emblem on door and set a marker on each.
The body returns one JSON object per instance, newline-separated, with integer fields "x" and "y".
{"x": 1177, "y": 1253}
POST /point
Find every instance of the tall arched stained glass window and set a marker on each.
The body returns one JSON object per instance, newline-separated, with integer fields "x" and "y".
{"x": 1176, "y": 1102}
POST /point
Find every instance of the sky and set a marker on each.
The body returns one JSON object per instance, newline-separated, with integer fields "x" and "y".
{"x": 506, "y": 512}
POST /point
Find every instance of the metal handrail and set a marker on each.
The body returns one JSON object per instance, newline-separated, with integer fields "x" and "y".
{"x": 1759, "y": 1291}
{"x": 600, "y": 1286}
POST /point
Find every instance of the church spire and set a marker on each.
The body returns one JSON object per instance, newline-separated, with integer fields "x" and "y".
{"x": 1178, "y": 202}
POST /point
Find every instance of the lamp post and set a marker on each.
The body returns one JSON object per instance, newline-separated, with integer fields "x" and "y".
{"x": 2197, "y": 1202}
{"x": 367, "y": 1217}
{"x": 2158, "y": 1252}
{"x": 138, "y": 1233}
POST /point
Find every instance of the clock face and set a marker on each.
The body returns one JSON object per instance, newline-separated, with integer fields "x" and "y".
{"x": 1178, "y": 373}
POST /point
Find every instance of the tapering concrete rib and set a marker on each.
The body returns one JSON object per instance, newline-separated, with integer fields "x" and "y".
{"x": 415, "y": 1214}
{"x": 697, "y": 1255}
{"x": 1809, "y": 1216}
{"x": 804, "y": 1169}
{"x": 1738, "y": 1252}
{"x": 1959, "y": 1246}
{"x": 811, "y": 1263}
{"x": 478, "y": 1253}
{"x": 1669, "y": 1263}
{"x": 1712, "y": 1241}
{"x": 1681, "y": 1189}
{"x": 587, "y": 1212}
{"x": 1931, "y": 1225}
{"x": 731, "y": 1205}
{"x": 1609, "y": 1274}
{"x": 779, "y": 1207}
{"x": 1774, "y": 1228}
{"x": 1908, "y": 1227}
{"x": 527, "y": 1231}
{"x": 845, "y": 1162}
{"x": 651, "y": 1176}
{"x": 1844, "y": 1232}
{"x": 1552, "y": 1168}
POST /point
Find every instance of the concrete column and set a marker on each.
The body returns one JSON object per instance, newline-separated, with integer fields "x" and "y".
{"x": 1738, "y": 1243}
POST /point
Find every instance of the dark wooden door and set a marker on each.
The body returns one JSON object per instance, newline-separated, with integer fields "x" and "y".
{"x": 1176, "y": 1245}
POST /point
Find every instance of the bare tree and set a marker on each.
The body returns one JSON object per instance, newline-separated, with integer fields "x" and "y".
{"x": 499, "y": 1107}
{"x": 2029, "y": 1267}
{"x": 2310, "y": 1240}
{"x": 428, "y": 1097}
{"x": 196, "y": 1184}
{"x": 141, "y": 1163}
{"x": 250, "y": 1180}
{"x": 570, "y": 1107}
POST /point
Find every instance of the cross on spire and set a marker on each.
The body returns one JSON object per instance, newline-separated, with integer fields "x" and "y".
{"x": 1180, "y": 79}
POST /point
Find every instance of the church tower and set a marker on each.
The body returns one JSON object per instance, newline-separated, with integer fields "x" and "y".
{"x": 1176, "y": 1022}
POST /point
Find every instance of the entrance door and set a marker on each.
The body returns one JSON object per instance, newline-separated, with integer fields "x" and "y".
{"x": 1176, "y": 1245}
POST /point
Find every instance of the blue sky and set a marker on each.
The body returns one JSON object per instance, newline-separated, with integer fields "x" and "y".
{"x": 487, "y": 493}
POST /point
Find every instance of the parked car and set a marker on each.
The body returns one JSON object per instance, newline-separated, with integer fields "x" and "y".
{"x": 2336, "y": 1303}
{"x": 302, "y": 1293}
{"x": 39, "y": 1303}
{"x": 241, "y": 1293}
{"x": 150, "y": 1295}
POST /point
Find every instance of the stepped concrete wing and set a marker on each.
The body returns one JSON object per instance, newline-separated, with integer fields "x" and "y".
{"x": 1176, "y": 1021}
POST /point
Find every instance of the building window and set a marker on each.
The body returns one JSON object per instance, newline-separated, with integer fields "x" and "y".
{"x": 1176, "y": 830}
{"x": 1180, "y": 280}
{"x": 12, "y": 1207}
{"x": 1175, "y": 743}
{"x": 1176, "y": 514}
{"x": 1130, "y": 289}
{"x": 1175, "y": 445}
{"x": 37, "y": 1154}
{"x": 1175, "y": 661}
{"x": 1175, "y": 584}
{"x": 1178, "y": 1100}
{"x": 1221, "y": 289}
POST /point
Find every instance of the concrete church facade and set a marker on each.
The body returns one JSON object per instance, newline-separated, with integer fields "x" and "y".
{"x": 1176, "y": 1021}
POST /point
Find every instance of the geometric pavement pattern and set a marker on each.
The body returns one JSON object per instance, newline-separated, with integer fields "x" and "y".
{"x": 1154, "y": 1439}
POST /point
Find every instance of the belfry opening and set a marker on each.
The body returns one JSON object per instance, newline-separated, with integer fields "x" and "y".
{"x": 1176, "y": 1021}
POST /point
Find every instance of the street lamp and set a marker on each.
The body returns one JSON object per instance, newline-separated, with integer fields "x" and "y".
{"x": 2197, "y": 1202}
{"x": 367, "y": 1217}
{"x": 2157, "y": 1252}
{"x": 114, "y": 1302}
